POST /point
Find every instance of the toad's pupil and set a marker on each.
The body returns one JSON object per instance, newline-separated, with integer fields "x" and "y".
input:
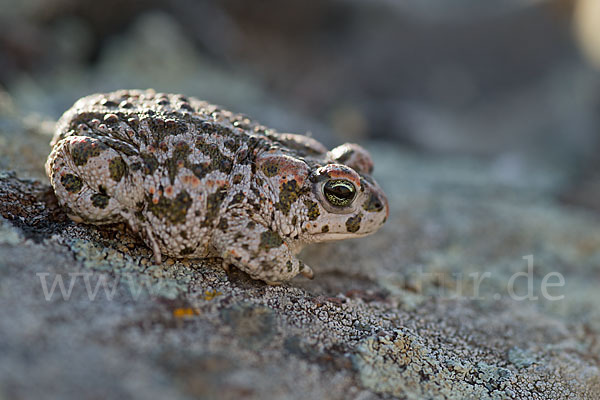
{"x": 342, "y": 191}
{"x": 339, "y": 192}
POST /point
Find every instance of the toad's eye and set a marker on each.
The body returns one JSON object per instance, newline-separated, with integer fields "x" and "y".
{"x": 339, "y": 192}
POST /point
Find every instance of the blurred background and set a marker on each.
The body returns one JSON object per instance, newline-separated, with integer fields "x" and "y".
{"x": 511, "y": 82}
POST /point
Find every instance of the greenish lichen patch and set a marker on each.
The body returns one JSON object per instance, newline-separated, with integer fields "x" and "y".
{"x": 402, "y": 364}
{"x": 172, "y": 210}
{"x": 254, "y": 326}
{"x": 270, "y": 240}
{"x": 71, "y": 183}
{"x": 521, "y": 358}
{"x": 9, "y": 234}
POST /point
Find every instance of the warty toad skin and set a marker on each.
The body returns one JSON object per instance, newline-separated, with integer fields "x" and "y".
{"x": 194, "y": 180}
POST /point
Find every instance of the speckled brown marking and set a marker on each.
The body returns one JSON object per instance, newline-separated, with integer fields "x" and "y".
{"x": 71, "y": 183}
{"x": 213, "y": 206}
{"x": 140, "y": 216}
{"x": 199, "y": 170}
{"x": 163, "y": 146}
{"x": 270, "y": 169}
{"x": 289, "y": 192}
{"x": 117, "y": 168}
{"x": 373, "y": 204}
{"x": 186, "y": 251}
{"x": 312, "y": 210}
{"x": 150, "y": 163}
{"x": 217, "y": 160}
{"x": 223, "y": 225}
{"x": 99, "y": 200}
{"x": 237, "y": 198}
{"x": 84, "y": 149}
{"x": 120, "y": 146}
{"x": 289, "y": 266}
{"x": 231, "y": 144}
{"x": 353, "y": 223}
{"x": 325, "y": 229}
{"x": 256, "y": 191}
{"x": 294, "y": 220}
{"x": 237, "y": 179}
{"x": 179, "y": 158}
{"x": 270, "y": 240}
{"x": 175, "y": 127}
{"x": 224, "y": 165}
{"x": 173, "y": 210}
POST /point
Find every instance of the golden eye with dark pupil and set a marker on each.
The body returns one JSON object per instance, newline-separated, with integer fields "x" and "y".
{"x": 339, "y": 192}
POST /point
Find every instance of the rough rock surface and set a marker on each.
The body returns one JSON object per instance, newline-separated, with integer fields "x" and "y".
{"x": 393, "y": 315}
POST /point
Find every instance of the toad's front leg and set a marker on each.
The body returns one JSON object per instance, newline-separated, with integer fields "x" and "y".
{"x": 256, "y": 249}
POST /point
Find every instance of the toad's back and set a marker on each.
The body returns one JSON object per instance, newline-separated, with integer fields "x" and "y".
{"x": 158, "y": 159}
